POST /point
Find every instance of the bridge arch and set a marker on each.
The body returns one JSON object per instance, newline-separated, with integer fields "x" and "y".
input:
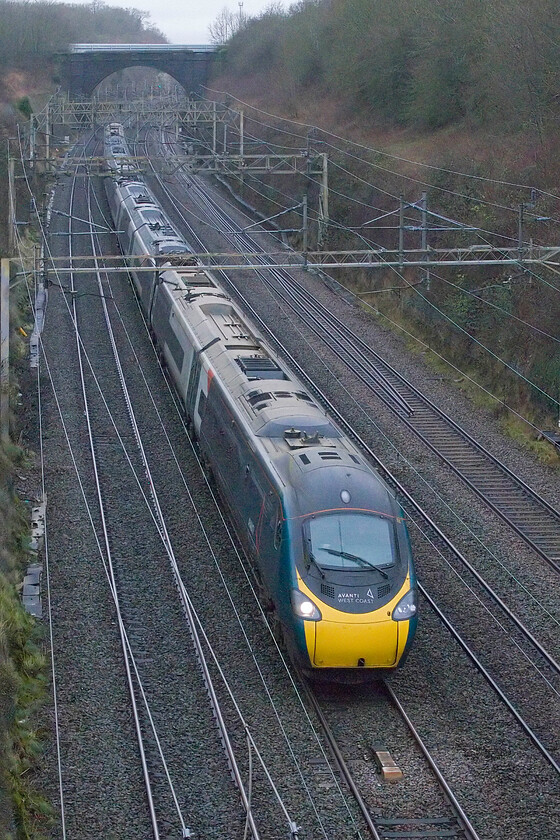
{"x": 86, "y": 65}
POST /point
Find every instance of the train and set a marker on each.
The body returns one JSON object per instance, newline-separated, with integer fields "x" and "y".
{"x": 325, "y": 533}
{"x": 115, "y": 148}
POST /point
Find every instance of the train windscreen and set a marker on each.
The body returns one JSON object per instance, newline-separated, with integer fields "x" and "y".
{"x": 352, "y": 541}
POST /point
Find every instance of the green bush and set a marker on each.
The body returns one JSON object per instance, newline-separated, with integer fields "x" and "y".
{"x": 24, "y": 106}
{"x": 24, "y": 813}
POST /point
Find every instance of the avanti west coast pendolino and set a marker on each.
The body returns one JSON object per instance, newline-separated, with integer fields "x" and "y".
{"x": 326, "y": 534}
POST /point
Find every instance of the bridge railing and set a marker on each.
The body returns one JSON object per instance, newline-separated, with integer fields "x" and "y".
{"x": 85, "y": 48}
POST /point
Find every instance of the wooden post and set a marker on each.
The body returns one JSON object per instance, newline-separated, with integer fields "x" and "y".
{"x": 5, "y": 349}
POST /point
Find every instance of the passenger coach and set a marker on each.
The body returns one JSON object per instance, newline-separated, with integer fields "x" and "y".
{"x": 325, "y": 533}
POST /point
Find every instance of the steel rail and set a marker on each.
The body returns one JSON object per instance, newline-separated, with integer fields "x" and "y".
{"x": 405, "y": 495}
{"x": 428, "y": 521}
{"x": 489, "y": 590}
{"x": 43, "y": 226}
{"x": 193, "y": 622}
{"x": 458, "y": 812}
{"x": 464, "y": 821}
{"x": 513, "y": 500}
{"x": 466, "y": 564}
{"x": 434, "y": 527}
{"x": 465, "y": 826}
{"x": 385, "y": 391}
{"x": 126, "y": 395}
{"x": 456, "y": 456}
{"x": 492, "y": 682}
{"x": 183, "y": 595}
{"x": 109, "y": 561}
{"x": 340, "y": 762}
{"x": 419, "y": 424}
{"x": 293, "y": 826}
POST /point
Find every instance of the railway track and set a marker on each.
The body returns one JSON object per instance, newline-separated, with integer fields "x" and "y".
{"x": 403, "y": 824}
{"x": 533, "y": 518}
{"x": 547, "y": 659}
{"x": 186, "y": 777}
{"x": 375, "y": 830}
{"x": 547, "y": 662}
{"x": 447, "y": 819}
{"x": 527, "y": 513}
{"x": 354, "y": 352}
{"x": 96, "y": 546}
{"x": 121, "y": 469}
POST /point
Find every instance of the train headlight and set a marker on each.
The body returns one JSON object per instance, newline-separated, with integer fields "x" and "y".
{"x": 304, "y": 607}
{"x": 407, "y": 606}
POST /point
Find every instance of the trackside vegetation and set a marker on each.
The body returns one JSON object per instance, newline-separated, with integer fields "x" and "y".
{"x": 465, "y": 86}
{"x": 29, "y": 35}
{"x": 31, "y": 32}
{"x": 24, "y": 812}
{"x": 457, "y": 99}
{"x": 422, "y": 63}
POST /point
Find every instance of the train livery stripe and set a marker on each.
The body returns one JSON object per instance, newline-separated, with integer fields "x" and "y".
{"x": 342, "y": 640}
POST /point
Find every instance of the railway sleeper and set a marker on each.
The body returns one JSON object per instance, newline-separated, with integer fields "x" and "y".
{"x": 416, "y": 829}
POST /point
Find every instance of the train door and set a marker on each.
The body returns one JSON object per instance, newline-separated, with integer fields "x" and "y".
{"x": 253, "y": 501}
{"x": 165, "y": 324}
{"x": 144, "y": 280}
{"x": 269, "y": 540}
{"x": 192, "y": 387}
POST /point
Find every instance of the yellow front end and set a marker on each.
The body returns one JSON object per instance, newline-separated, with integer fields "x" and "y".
{"x": 350, "y": 640}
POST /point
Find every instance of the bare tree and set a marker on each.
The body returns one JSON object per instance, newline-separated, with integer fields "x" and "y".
{"x": 226, "y": 24}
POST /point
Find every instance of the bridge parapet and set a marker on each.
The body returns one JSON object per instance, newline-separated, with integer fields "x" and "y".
{"x": 156, "y": 48}
{"x": 86, "y": 65}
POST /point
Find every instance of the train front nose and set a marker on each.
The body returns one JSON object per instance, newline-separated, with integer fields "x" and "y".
{"x": 353, "y": 644}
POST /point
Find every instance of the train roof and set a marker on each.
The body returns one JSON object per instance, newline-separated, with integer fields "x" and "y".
{"x": 274, "y": 403}
{"x": 153, "y": 225}
{"x": 136, "y": 190}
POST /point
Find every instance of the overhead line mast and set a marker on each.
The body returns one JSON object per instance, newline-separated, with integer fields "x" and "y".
{"x": 227, "y": 155}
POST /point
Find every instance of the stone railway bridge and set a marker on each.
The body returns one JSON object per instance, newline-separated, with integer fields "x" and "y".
{"x": 86, "y": 65}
